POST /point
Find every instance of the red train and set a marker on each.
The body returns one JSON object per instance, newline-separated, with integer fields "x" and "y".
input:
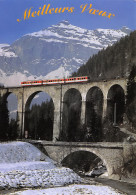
{"x": 56, "y": 81}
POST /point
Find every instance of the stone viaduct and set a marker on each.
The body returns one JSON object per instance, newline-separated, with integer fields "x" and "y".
{"x": 112, "y": 154}
{"x": 57, "y": 92}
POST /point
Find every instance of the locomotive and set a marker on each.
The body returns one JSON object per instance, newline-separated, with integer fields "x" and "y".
{"x": 56, "y": 81}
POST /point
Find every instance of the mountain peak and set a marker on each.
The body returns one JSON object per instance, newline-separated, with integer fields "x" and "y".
{"x": 125, "y": 29}
{"x": 64, "y": 22}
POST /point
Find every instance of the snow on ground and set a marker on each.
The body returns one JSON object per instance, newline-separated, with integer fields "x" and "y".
{"x": 38, "y": 178}
{"x": 23, "y": 165}
{"x": 71, "y": 190}
{"x": 13, "y": 152}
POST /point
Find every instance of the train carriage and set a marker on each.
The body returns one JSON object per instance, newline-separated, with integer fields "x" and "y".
{"x": 56, "y": 81}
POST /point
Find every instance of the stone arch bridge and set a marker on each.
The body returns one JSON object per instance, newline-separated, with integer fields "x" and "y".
{"x": 113, "y": 154}
{"x": 57, "y": 92}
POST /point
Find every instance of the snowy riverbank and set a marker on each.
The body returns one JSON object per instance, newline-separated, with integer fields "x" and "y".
{"x": 71, "y": 190}
{"x": 23, "y": 166}
{"x": 38, "y": 178}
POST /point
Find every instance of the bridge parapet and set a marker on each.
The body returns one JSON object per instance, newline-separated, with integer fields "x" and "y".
{"x": 116, "y": 145}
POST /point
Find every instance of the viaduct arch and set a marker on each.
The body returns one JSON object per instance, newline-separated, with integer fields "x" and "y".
{"x": 94, "y": 110}
{"x": 57, "y": 93}
{"x": 115, "y": 97}
{"x": 71, "y": 114}
{"x": 34, "y": 133}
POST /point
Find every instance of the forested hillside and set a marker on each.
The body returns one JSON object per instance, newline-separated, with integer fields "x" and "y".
{"x": 39, "y": 122}
{"x": 113, "y": 62}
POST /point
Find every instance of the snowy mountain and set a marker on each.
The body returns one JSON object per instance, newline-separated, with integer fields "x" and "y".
{"x": 53, "y": 52}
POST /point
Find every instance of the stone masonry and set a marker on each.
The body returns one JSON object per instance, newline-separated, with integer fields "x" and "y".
{"x": 26, "y": 94}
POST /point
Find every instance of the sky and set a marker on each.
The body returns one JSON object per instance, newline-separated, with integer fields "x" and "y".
{"x": 11, "y": 10}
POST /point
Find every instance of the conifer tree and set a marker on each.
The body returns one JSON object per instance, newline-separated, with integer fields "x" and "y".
{"x": 40, "y": 121}
{"x": 131, "y": 92}
{"x": 131, "y": 96}
{"x": 111, "y": 62}
{"x": 13, "y": 129}
{"x": 4, "y": 119}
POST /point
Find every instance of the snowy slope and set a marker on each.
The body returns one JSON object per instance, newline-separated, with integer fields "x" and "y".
{"x": 5, "y": 51}
{"x": 14, "y": 152}
{"x": 65, "y": 32}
